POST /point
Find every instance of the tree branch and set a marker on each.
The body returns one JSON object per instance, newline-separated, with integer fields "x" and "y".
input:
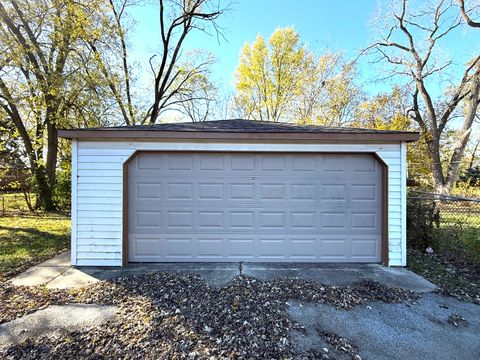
{"x": 465, "y": 15}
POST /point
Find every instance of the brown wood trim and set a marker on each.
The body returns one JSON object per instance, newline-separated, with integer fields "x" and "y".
{"x": 168, "y": 135}
{"x": 125, "y": 208}
{"x": 384, "y": 211}
{"x": 384, "y": 165}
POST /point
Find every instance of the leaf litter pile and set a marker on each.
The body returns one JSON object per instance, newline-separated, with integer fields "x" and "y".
{"x": 177, "y": 315}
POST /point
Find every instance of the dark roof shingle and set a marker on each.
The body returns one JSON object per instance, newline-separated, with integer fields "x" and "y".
{"x": 233, "y": 126}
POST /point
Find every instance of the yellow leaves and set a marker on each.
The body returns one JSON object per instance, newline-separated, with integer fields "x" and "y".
{"x": 270, "y": 74}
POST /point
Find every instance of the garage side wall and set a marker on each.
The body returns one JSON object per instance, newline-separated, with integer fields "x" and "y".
{"x": 97, "y": 191}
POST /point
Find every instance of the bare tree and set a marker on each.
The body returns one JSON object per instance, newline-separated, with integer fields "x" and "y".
{"x": 199, "y": 102}
{"x": 329, "y": 93}
{"x": 170, "y": 78}
{"x": 466, "y": 16}
{"x": 408, "y": 48}
{"x": 120, "y": 84}
{"x": 474, "y": 154}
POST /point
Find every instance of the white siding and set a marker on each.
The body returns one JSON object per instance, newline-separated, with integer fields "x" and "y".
{"x": 97, "y": 193}
{"x": 74, "y": 212}
{"x": 403, "y": 216}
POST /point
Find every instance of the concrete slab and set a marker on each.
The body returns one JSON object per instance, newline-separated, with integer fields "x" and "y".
{"x": 216, "y": 274}
{"x": 57, "y": 273}
{"x": 72, "y": 278}
{"x": 60, "y": 260}
{"x": 54, "y": 273}
{"x": 220, "y": 274}
{"x": 395, "y": 331}
{"x": 342, "y": 274}
{"x": 44, "y": 272}
{"x": 54, "y": 318}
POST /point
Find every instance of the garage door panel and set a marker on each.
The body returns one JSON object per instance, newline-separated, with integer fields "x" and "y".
{"x": 273, "y": 248}
{"x": 364, "y": 247}
{"x": 240, "y": 248}
{"x": 211, "y": 248}
{"x": 179, "y": 162}
{"x": 254, "y": 207}
{"x": 243, "y": 163}
{"x": 273, "y": 191}
{"x": 334, "y": 192}
{"x": 364, "y": 220}
{"x": 334, "y": 249}
{"x": 304, "y": 220}
{"x": 179, "y": 219}
{"x": 148, "y": 219}
{"x": 306, "y": 191}
{"x": 335, "y": 164}
{"x": 211, "y": 220}
{"x": 301, "y": 220}
{"x": 241, "y": 220}
{"x": 149, "y": 162}
{"x": 272, "y": 220}
{"x": 192, "y": 247}
{"x": 304, "y": 249}
{"x": 148, "y": 190}
{"x": 241, "y": 191}
{"x": 272, "y": 163}
{"x": 364, "y": 164}
{"x": 304, "y": 163}
{"x": 179, "y": 248}
{"x": 210, "y": 191}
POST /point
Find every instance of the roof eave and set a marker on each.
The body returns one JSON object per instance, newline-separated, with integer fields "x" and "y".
{"x": 149, "y": 134}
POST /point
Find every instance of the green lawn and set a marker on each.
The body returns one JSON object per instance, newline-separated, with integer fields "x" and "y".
{"x": 455, "y": 264}
{"x": 29, "y": 239}
{"x": 460, "y": 232}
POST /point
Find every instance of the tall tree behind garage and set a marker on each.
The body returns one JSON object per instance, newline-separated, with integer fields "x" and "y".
{"x": 173, "y": 78}
{"x": 49, "y": 77}
{"x": 410, "y": 46}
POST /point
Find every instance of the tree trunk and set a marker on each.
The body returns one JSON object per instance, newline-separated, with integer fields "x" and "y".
{"x": 433, "y": 148}
{"x": 52, "y": 152}
{"x": 465, "y": 131}
{"x": 472, "y": 157}
{"x": 44, "y": 193}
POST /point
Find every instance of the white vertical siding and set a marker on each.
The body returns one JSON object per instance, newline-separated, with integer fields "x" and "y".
{"x": 404, "y": 202}
{"x": 97, "y": 194}
{"x": 396, "y": 181}
{"x": 74, "y": 214}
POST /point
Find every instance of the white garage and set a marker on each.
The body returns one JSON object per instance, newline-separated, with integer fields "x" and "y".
{"x": 237, "y": 191}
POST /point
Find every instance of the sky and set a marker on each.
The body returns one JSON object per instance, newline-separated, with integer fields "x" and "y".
{"x": 322, "y": 24}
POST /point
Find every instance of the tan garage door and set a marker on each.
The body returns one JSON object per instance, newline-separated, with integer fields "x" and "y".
{"x": 258, "y": 207}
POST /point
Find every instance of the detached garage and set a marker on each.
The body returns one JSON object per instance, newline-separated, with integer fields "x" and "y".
{"x": 238, "y": 190}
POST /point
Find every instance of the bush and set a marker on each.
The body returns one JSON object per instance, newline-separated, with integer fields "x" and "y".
{"x": 471, "y": 176}
{"x": 423, "y": 218}
{"x": 62, "y": 191}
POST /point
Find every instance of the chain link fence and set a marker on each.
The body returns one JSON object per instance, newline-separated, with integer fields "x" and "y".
{"x": 443, "y": 222}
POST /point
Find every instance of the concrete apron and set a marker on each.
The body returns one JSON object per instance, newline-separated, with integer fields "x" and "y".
{"x": 220, "y": 274}
{"x": 57, "y": 273}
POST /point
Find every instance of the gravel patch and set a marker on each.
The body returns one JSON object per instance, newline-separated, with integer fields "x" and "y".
{"x": 178, "y": 315}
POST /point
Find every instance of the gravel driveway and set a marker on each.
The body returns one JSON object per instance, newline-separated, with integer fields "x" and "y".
{"x": 177, "y": 315}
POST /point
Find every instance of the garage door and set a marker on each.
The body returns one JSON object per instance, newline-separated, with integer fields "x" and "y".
{"x": 254, "y": 207}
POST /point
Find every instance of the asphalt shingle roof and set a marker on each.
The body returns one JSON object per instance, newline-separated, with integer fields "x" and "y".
{"x": 246, "y": 126}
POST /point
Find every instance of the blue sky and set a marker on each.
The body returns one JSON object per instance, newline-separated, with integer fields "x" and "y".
{"x": 334, "y": 25}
